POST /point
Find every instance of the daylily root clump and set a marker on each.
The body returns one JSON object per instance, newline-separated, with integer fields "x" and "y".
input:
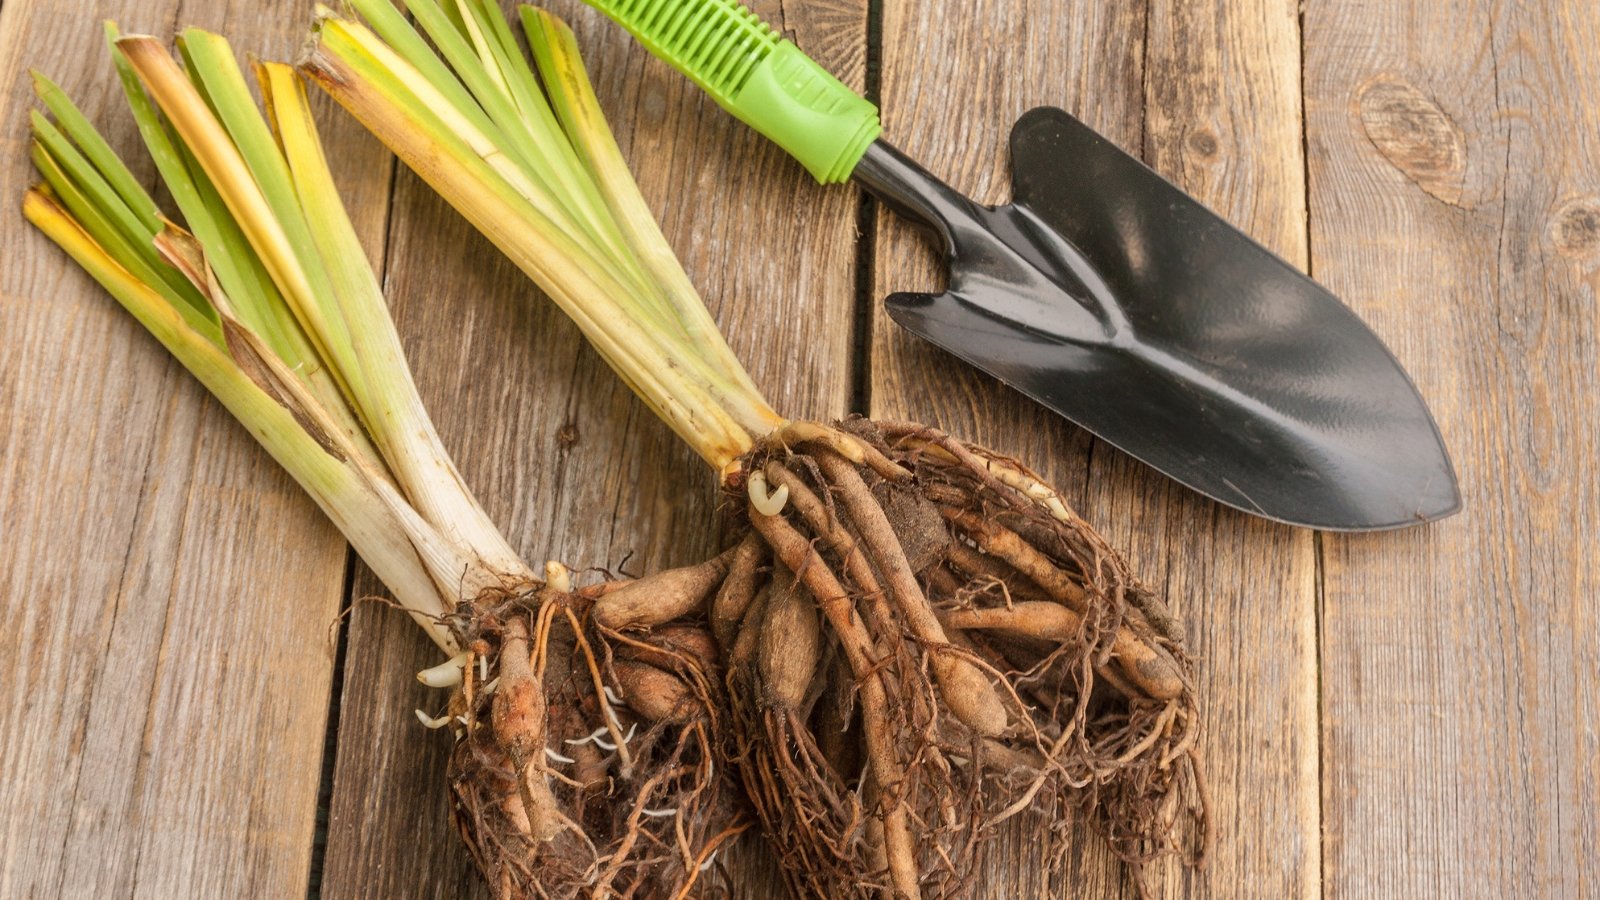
{"x": 585, "y": 759}
{"x": 922, "y": 640}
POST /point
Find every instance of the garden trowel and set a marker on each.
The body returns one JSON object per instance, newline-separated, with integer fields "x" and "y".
{"x": 1108, "y": 295}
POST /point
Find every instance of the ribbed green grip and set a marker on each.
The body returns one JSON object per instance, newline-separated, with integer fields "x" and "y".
{"x": 765, "y": 81}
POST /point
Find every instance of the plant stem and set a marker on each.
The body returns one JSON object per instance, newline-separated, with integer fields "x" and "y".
{"x": 378, "y": 88}
{"x": 555, "y": 52}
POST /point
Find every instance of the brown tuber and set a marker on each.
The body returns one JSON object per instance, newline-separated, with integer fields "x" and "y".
{"x": 660, "y": 598}
{"x": 789, "y": 644}
{"x": 656, "y": 694}
{"x": 1154, "y": 671}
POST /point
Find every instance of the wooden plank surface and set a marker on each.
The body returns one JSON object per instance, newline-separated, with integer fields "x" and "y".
{"x": 163, "y": 685}
{"x": 1408, "y": 714}
{"x": 1209, "y": 93}
{"x": 563, "y": 456}
{"x": 1455, "y": 203}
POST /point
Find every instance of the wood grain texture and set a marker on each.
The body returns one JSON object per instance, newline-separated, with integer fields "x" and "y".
{"x": 163, "y": 684}
{"x": 1455, "y": 199}
{"x": 1208, "y": 93}
{"x": 164, "y": 681}
{"x": 561, "y": 454}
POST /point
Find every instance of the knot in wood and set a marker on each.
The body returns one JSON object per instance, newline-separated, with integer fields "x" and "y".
{"x": 567, "y": 435}
{"x": 1575, "y": 227}
{"x": 1416, "y": 136}
{"x": 1202, "y": 144}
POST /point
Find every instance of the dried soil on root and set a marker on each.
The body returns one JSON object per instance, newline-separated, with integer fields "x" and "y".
{"x": 981, "y": 651}
{"x": 585, "y": 762}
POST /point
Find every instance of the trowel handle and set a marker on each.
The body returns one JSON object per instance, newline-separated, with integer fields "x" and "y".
{"x": 764, "y": 80}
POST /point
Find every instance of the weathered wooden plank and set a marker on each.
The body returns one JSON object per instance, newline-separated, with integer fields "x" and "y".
{"x": 163, "y": 684}
{"x": 1224, "y": 120}
{"x": 1209, "y": 94}
{"x": 557, "y": 449}
{"x": 1455, "y": 202}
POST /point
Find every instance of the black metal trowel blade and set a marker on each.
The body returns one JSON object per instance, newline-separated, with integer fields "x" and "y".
{"x": 1110, "y": 296}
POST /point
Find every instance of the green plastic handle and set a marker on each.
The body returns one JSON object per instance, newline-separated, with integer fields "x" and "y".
{"x": 764, "y": 80}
